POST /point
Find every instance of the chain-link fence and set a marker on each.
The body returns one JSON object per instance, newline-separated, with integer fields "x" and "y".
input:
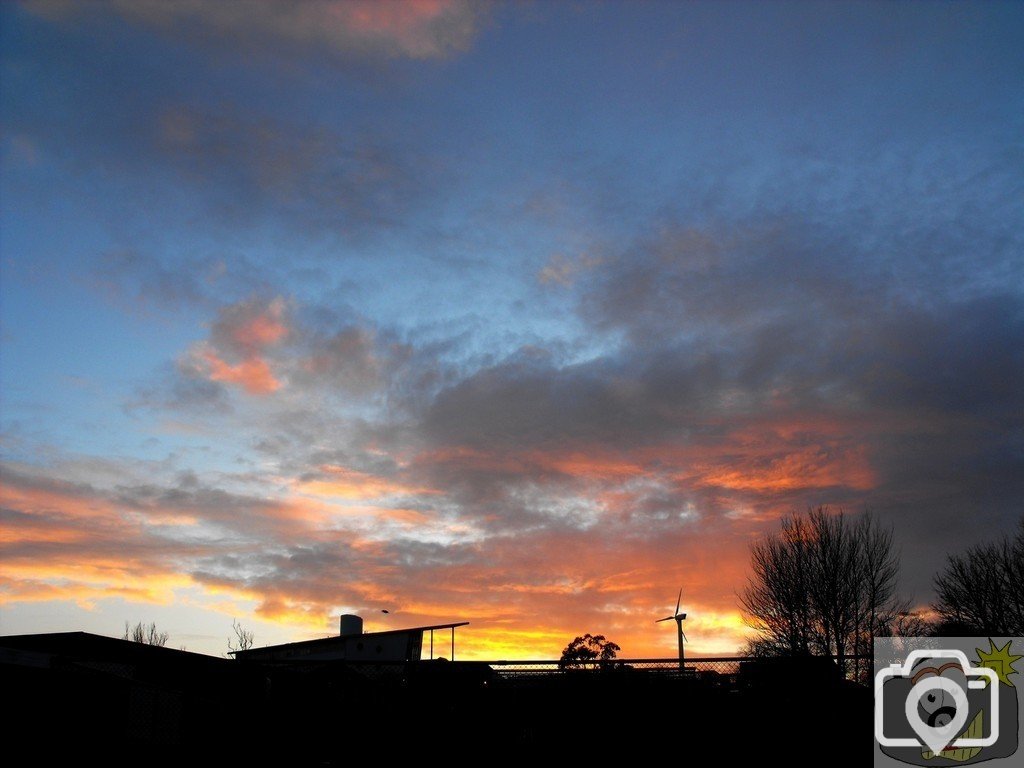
{"x": 511, "y": 671}
{"x": 730, "y": 672}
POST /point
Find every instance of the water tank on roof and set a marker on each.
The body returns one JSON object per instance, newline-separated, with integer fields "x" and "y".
{"x": 351, "y": 624}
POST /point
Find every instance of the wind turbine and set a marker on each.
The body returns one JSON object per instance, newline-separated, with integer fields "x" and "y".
{"x": 679, "y": 625}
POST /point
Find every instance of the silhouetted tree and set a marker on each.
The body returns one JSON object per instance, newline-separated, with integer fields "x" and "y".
{"x": 824, "y": 584}
{"x": 140, "y": 633}
{"x": 588, "y": 649}
{"x": 764, "y": 648}
{"x": 910, "y": 624}
{"x": 243, "y": 639}
{"x": 981, "y": 592}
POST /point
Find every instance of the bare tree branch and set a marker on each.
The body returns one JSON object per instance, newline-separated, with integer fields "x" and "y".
{"x": 243, "y": 639}
{"x": 147, "y": 635}
{"x": 822, "y": 585}
{"x": 981, "y": 592}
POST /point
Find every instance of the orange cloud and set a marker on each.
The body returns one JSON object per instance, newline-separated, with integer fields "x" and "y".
{"x": 252, "y": 374}
{"x": 53, "y": 497}
{"x": 594, "y": 464}
{"x": 86, "y": 579}
{"x": 341, "y": 543}
{"x": 801, "y": 451}
{"x": 810, "y": 467}
{"x": 344, "y": 483}
{"x": 40, "y": 533}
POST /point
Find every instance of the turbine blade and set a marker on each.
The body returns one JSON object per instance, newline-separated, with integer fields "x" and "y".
{"x": 667, "y": 618}
{"x": 684, "y": 636}
{"x": 677, "y": 601}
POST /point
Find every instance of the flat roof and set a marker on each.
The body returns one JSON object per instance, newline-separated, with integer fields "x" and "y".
{"x": 335, "y": 638}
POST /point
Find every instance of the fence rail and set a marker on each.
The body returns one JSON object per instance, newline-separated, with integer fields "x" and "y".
{"x": 729, "y": 673}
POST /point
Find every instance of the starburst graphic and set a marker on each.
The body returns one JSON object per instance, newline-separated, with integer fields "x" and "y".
{"x": 999, "y": 660}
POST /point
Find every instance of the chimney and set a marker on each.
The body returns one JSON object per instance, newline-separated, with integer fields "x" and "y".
{"x": 351, "y": 624}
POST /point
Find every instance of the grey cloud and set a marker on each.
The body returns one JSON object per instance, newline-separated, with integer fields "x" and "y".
{"x": 344, "y": 182}
{"x": 181, "y": 388}
{"x": 528, "y": 403}
{"x": 142, "y": 281}
{"x": 627, "y": 399}
{"x": 729, "y": 335}
{"x": 738, "y": 278}
{"x": 293, "y": 571}
{"x": 958, "y": 357}
{"x": 335, "y": 573}
{"x": 134, "y": 123}
{"x": 23, "y": 477}
{"x": 376, "y": 464}
{"x": 338, "y": 181}
{"x": 347, "y": 360}
{"x": 250, "y": 517}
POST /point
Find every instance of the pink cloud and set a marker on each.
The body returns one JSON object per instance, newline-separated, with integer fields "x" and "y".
{"x": 239, "y": 339}
{"x": 262, "y": 330}
{"x": 249, "y": 327}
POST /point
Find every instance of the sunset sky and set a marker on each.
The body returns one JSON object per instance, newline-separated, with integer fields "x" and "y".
{"x": 523, "y": 314}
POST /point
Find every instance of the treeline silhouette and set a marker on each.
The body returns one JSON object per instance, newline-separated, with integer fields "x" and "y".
{"x": 826, "y": 584}
{"x": 981, "y": 591}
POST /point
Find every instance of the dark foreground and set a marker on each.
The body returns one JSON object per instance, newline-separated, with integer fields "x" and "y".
{"x": 82, "y": 697}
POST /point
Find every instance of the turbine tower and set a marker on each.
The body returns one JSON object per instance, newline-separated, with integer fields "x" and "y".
{"x": 679, "y": 626}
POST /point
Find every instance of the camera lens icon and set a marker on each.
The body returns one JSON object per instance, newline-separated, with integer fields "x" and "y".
{"x": 944, "y": 705}
{"x": 936, "y": 705}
